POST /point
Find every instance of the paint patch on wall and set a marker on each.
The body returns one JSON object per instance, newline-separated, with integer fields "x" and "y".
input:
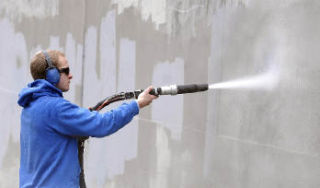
{"x": 155, "y": 10}
{"x": 105, "y": 157}
{"x": 17, "y": 9}
{"x": 108, "y": 58}
{"x": 13, "y": 76}
{"x": 127, "y": 64}
{"x": 179, "y": 16}
{"x": 123, "y": 4}
{"x": 171, "y": 108}
{"x": 163, "y": 162}
{"x": 99, "y": 82}
{"x": 73, "y": 52}
{"x": 13, "y": 50}
{"x": 90, "y": 76}
{"x": 115, "y": 154}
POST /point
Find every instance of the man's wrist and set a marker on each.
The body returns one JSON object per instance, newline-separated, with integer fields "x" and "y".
{"x": 137, "y": 101}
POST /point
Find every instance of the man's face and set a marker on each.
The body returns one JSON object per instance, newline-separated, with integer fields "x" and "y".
{"x": 64, "y": 82}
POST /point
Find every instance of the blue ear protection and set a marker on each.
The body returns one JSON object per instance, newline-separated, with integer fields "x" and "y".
{"x": 52, "y": 73}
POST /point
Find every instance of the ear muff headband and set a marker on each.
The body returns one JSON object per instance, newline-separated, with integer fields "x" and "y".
{"x": 48, "y": 59}
{"x": 52, "y": 73}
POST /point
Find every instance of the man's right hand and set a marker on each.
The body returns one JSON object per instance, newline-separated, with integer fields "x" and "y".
{"x": 145, "y": 98}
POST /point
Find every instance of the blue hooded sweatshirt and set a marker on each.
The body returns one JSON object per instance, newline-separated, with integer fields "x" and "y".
{"x": 49, "y": 124}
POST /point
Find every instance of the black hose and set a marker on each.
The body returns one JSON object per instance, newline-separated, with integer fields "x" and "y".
{"x": 82, "y": 139}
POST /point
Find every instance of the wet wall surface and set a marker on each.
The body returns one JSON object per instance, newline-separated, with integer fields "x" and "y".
{"x": 243, "y": 137}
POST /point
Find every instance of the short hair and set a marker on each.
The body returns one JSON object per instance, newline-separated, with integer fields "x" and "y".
{"x": 38, "y": 64}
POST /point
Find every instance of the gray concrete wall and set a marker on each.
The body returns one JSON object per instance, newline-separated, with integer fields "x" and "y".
{"x": 243, "y": 137}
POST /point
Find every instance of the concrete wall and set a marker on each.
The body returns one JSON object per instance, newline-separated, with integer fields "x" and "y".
{"x": 244, "y": 137}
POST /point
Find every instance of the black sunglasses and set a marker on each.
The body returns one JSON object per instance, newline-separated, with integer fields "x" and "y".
{"x": 65, "y": 70}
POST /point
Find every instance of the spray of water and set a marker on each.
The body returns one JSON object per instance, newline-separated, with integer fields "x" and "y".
{"x": 266, "y": 81}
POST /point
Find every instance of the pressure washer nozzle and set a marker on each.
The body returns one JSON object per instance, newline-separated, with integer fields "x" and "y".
{"x": 192, "y": 88}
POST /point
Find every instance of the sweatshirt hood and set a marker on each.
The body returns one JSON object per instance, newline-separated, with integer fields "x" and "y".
{"x": 37, "y": 89}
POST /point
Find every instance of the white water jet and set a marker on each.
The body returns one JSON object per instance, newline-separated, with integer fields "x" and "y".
{"x": 265, "y": 81}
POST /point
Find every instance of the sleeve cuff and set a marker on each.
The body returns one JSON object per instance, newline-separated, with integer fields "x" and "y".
{"x": 135, "y": 107}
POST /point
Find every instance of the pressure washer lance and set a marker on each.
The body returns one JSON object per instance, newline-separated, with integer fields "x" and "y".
{"x": 165, "y": 90}
{"x": 175, "y": 89}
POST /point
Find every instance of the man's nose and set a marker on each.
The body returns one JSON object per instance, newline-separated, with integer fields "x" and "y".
{"x": 70, "y": 76}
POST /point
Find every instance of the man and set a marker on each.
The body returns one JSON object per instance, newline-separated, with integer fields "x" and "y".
{"x": 50, "y": 124}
